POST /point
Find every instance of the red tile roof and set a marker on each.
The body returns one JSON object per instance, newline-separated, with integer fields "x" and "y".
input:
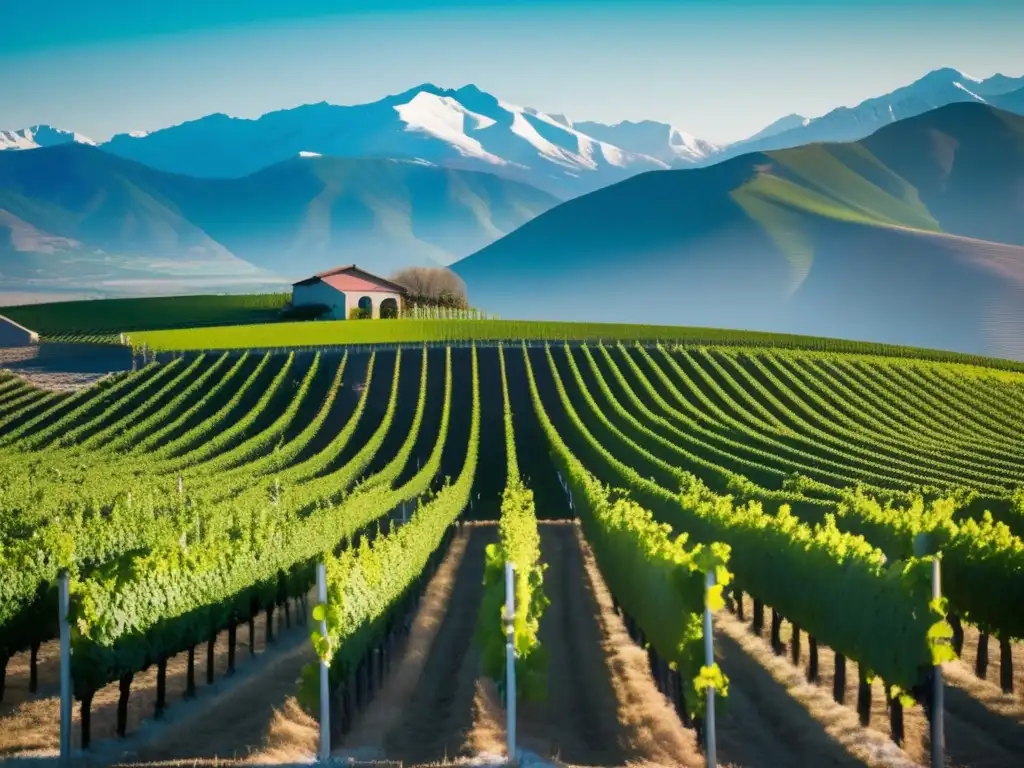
{"x": 352, "y": 278}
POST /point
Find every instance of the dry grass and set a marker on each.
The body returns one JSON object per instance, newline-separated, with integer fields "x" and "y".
{"x": 969, "y": 657}
{"x": 489, "y": 735}
{"x": 371, "y": 727}
{"x": 292, "y": 737}
{"x": 833, "y": 730}
{"x": 650, "y": 727}
{"x": 429, "y": 708}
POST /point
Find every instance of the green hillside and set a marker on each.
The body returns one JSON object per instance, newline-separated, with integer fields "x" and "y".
{"x": 114, "y": 316}
{"x": 911, "y": 236}
{"x": 75, "y": 215}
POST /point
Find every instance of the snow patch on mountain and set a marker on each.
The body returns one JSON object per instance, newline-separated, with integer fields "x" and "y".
{"x": 522, "y": 128}
{"x": 466, "y": 128}
{"x": 660, "y": 141}
{"x": 446, "y": 119}
{"x": 307, "y": 153}
{"x": 970, "y": 93}
{"x": 15, "y": 140}
{"x": 38, "y": 136}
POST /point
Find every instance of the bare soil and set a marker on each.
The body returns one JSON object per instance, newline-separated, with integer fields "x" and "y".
{"x": 578, "y": 722}
{"x": 802, "y": 719}
{"x": 257, "y": 719}
{"x": 438, "y": 719}
{"x": 603, "y": 708}
{"x": 371, "y": 730}
{"x": 982, "y": 701}
{"x": 651, "y": 732}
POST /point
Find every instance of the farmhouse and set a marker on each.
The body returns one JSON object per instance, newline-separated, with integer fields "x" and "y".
{"x": 14, "y": 335}
{"x": 346, "y": 288}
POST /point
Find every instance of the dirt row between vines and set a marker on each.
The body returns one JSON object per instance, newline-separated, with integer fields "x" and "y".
{"x": 602, "y": 708}
{"x": 977, "y": 736}
{"x": 30, "y": 723}
{"x": 436, "y": 707}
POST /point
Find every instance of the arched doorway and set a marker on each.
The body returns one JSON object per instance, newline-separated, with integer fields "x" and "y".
{"x": 389, "y": 308}
{"x": 366, "y": 307}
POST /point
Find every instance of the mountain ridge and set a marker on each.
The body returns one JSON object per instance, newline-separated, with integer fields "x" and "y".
{"x": 469, "y": 128}
{"x": 924, "y": 218}
{"x": 38, "y": 136}
{"x": 936, "y": 89}
{"x": 76, "y": 212}
{"x": 464, "y": 128}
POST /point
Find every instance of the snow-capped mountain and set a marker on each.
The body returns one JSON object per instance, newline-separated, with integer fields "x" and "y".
{"x": 934, "y": 90}
{"x": 470, "y": 129}
{"x": 465, "y": 128}
{"x": 661, "y": 141}
{"x": 40, "y": 136}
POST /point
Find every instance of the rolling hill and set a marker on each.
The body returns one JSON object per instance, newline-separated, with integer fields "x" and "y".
{"x": 75, "y": 215}
{"x": 1011, "y": 102}
{"x": 914, "y": 235}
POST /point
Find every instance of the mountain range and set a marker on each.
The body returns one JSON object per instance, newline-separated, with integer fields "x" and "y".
{"x": 39, "y": 136}
{"x": 936, "y": 89}
{"x": 854, "y": 223}
{"x": 914, "y": 235}
{"x": 470, "y": 129}
{"x": 74, "y": 214}
{"x": 466, "y": 129}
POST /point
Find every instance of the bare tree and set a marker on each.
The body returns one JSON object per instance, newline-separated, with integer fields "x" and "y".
{"x": 432, "y": 286}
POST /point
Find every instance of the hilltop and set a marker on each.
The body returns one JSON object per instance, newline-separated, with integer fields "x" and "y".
{"x": 914, "y": 235}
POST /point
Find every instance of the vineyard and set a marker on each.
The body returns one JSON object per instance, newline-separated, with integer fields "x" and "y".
{"x": 190, "y": 502}
{"x": 103, "y": 321}
{"x": 287, "y": 335}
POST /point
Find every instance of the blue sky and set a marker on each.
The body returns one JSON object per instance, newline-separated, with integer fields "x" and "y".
{"x": 718, "y": 69}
